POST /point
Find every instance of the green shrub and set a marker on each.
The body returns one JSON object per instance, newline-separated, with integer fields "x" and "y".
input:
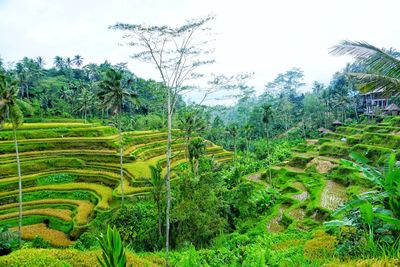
{"x": 87, "y": 240}
{"x": 39, "y": 242}
{"x": 8, "y": 240}
{"x": 137, "y": 225}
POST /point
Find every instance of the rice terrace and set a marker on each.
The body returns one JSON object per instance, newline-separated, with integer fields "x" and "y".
{"x": 136, "y": 134}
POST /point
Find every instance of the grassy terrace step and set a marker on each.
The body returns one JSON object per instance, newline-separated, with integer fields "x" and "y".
{"x": 90, "y": 157}
{"x": 52, "y": 125}
{"x": 384, "y": 140}
{"x": 52, "y": 222}
{"x": 63, "y": 214}
{"x": 153, "y": 152}
{"x": 347, "y": 130}
{"x": 56, "y": 164}
{"x": 139, "y": 138}
{"x": 382, "y": 129}
{"x": 97, "y": 131}
{"x": 103, "y": 193}
{"x": 52, "y": 153}
{"x": 61, "y": 177}
{"x": 334, "y": 149}
{"x": 300, "y": 160}
{"x": 376, "y": 154}
{"x": 98, "y": 144}
{"x": 287, "y": 168}
{"x": 84, "y": 207}
{"x": 72, "y": 257}
{"x": 56, "y": 238}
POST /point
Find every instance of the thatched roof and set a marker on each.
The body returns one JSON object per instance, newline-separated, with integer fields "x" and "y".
{"x": 336, "y": 122}
{"x": 323, "y": 130}
{"x": 392, "y": 107}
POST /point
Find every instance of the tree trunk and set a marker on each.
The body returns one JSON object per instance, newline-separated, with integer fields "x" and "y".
{"x": 234, "y": 146}
{"x": 121, "y": 162}
{"x": 19, "y": 186}
{"x": 167, "y": 177}
{"x": 268, "y": 155}
{"x": 159, "y": 218}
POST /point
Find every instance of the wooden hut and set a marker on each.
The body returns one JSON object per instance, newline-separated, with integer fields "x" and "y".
{"x": 337, "y": 123}
{"x": 392, "y": 110}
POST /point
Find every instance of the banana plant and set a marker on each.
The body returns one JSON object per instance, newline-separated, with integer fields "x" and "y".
{"x": 113, "y": 249}
{"x": 382, "y": 203}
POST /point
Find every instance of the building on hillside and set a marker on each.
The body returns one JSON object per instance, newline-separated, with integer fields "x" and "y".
{"x": 376, "y": 101}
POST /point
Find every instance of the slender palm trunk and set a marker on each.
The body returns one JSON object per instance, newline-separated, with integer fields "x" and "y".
{"x": 269, "y": 156}
{"x": 234, "y": 146}
{"x": 19, "y": 187}
{"x": 167, "y": 177}
{"x": 159, "y": 218}
{"x": 121, "y": 161}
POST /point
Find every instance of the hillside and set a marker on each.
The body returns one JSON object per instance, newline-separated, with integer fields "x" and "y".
{"x": 70, "y": 172}
{"x": 313, "y": 182}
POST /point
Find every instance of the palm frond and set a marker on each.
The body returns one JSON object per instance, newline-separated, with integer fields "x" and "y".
{"x": 371, "y": 82}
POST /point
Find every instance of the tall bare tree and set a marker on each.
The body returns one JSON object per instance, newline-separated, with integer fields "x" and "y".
{"x": 177, "y": 53}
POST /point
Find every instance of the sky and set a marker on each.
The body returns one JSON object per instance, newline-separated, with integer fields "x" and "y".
{"x": 266, "y": 37}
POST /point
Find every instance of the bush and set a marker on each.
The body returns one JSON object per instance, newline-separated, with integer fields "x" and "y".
{"x": 137, "y": 225}
{"x": 39, "y": 242}
{"x": 8, "y": 241}
{"x": 87, "y": 240}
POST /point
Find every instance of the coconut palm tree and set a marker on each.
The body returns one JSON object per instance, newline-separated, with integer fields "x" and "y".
{"x": 58, "y": 62}
{"x": 85, "y": 102}
{"x": 10, "y": 110}
{"x": 248, "y": 130}
{"x": 113, "y": 93}
{"x": 190, "y": 123}
{"x": 157, "y": 182}
{"x": 40, "y": 62}
{"x": 78, "y": 60}
{"x": 233, "y": 131}
{"x": 266, "y": 119}
{"x": 68, "y": 62}
{"x": 197, "y": 148}
{"x": 382, "y": 67}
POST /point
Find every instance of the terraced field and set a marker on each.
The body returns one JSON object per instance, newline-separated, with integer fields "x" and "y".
{"x": 70, "y": 172}
{"x": 313, "y": 181}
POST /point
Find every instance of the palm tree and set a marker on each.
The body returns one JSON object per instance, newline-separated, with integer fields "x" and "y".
{"x": 190, "y": 123}
{"x": 85, "y": 102}
{"x": 10, "y": 110}
{"x": 78, "y": 60}
{"x": 248, "y": 130}
{"x": 266, "y": 119}
{"x": 382, "y": 67}
{"x": 157, "y": 182}
{"x": 232, "y": 130}
{"x": 40, "y": 62}
{"x": 58, "y": 62}
{"x": 68, "y": 62}
{"x": 197, "y": 148}
{"x": 113, "y": 93}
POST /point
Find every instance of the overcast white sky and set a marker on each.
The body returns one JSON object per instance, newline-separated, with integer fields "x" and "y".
{"x": 264, "y": 36}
